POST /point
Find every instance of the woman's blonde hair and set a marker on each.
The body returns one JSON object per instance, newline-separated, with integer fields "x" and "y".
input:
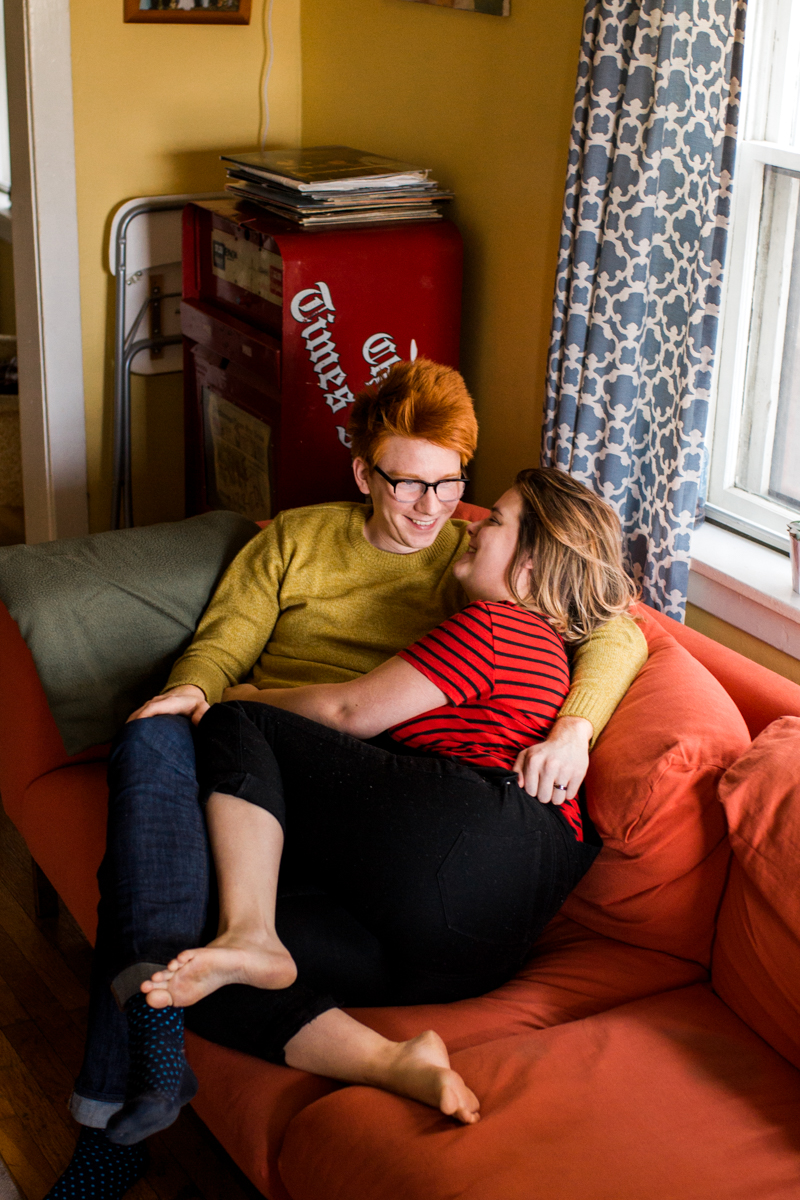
{"x": 574, "y": 542}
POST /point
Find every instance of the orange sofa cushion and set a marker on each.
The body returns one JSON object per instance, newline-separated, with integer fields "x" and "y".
{"x": 574, "y": 973}
{"x": 469, "y": 512}
{"x": 760, "y": 695}
{"x": 248, "y": 1104}
{"x": 756, "y": 965}
{"x": 651, "y": 791}
{"x": 670, "y": 1098}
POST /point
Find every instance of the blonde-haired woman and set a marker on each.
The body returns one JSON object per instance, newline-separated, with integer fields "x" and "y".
{"x": 415, "y": 869}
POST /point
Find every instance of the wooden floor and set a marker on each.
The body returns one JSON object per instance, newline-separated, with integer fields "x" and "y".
{"x": 44, "y": 973}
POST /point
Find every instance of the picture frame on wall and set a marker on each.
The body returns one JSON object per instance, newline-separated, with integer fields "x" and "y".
{"x": 199, "y": 12}
{"x": 491, "y": 8}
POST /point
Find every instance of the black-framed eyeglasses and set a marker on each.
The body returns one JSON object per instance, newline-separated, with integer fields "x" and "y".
{"x": 409, "y": 490}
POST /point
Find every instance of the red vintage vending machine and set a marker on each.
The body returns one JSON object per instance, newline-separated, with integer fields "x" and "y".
{"x": 281, "y": 328}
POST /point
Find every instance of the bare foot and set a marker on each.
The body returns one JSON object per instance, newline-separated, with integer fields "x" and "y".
{"x": 228, "y": 959}
{"x": 420, "y": 1068}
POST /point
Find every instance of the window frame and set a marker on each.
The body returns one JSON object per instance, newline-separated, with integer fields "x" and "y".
{"x": 770, "y": 137}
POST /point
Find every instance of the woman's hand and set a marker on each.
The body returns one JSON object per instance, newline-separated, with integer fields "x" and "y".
{"x": 186, "y": 701}
{"x": 563, "y": 758}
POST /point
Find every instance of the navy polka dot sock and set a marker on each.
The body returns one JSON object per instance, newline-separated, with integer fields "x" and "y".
{"x": 160, "y": 1081}
{"x": 99, "y": 1169}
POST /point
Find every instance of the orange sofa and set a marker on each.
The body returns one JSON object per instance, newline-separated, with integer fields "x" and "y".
{"x": 650, "y": 1050}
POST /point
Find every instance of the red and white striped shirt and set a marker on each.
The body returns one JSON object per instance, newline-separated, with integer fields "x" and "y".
{"x": 505, "y": 674}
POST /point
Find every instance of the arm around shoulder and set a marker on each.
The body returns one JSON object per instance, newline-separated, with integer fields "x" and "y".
{"x": 603, "y": 670}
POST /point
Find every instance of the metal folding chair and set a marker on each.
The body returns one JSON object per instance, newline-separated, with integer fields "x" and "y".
{"x": 145, "y": 256}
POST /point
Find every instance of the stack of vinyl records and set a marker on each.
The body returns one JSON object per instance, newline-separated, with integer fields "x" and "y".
{"x": 324, "y": 186}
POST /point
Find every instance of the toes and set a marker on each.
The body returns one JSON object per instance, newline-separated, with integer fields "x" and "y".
{"x": 459, "y": 1101}
{"x": 159, "y": 998}
{"x": 468, "y": 1111}
{"x": 462, "y": 1112}
{"x": 156, "y": 981}
{"x": 181, "y": 959}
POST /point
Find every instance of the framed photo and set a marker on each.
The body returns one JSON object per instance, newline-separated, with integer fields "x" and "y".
{"x": 201, "y": 12}
{"x": 493, "y": 8}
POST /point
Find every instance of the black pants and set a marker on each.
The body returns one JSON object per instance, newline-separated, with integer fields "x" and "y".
{"x": 407, "y": 878}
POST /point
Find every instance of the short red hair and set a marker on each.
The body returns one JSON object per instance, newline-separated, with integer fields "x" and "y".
{"x": 419, "y": 399}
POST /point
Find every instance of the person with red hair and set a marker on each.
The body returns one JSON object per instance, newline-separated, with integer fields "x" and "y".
{"x": 420, "y": 400}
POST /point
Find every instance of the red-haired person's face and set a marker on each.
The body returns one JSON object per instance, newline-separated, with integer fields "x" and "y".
{"x": 403, "y": 528}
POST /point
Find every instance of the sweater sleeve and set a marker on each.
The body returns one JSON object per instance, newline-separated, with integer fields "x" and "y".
{"x": 239, "y": 621}
{"x": 603, "y": 670}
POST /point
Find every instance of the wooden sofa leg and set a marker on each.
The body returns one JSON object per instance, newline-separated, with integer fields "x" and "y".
{"x": 45, "y": 896}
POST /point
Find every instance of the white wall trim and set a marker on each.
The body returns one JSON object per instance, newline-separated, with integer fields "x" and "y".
{"x": 747, "y": 585}
{"x": 46, "y": 270}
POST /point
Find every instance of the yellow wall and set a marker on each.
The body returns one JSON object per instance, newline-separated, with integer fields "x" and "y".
{"x": 487, "y": 103}
{"x": 745, "y": 643}
{"x": 154, "y": 107}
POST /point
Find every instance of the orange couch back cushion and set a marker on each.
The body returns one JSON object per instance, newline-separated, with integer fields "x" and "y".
{"x": 756, "y": 964}
{"x": 652, "y": 792}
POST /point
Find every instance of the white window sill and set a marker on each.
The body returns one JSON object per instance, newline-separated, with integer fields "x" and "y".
{"x": 747, "y": 585}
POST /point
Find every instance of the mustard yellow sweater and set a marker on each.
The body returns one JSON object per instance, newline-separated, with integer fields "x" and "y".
{"x": 310, "y": 600}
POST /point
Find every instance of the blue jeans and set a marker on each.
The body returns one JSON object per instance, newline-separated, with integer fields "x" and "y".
{"x": 154, "y": 888}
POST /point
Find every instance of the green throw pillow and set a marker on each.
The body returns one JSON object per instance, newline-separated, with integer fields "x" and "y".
{"x": 105, "y": 616}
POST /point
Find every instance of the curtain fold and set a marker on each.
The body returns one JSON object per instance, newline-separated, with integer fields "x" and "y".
{"x": 639, "y": 277}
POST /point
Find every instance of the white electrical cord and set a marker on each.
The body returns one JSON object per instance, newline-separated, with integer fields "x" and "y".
{"x": 269, "y": 51}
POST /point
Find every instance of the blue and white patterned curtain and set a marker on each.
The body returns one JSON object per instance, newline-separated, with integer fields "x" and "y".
{"x": 640, "y": 269}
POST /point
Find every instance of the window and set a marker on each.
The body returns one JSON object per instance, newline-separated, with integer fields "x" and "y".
{"x": 754, "y": 479}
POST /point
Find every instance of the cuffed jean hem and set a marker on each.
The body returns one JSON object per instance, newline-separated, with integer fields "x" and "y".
{"x": 94, "y": 1113}
{"x": 129, "y": 981}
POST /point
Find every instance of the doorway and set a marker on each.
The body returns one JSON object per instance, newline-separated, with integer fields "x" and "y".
{"x": 44, "y": 240}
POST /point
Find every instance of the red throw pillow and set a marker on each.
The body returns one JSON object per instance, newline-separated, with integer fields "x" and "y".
{"x": 756, "y": 964}
{"x": 652, "y": 793}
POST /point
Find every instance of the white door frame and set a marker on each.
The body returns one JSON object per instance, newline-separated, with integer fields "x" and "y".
{"x": 46, "y": 270}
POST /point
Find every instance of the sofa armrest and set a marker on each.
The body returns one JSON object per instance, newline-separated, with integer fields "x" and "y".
{"x": 30, "y": 744}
